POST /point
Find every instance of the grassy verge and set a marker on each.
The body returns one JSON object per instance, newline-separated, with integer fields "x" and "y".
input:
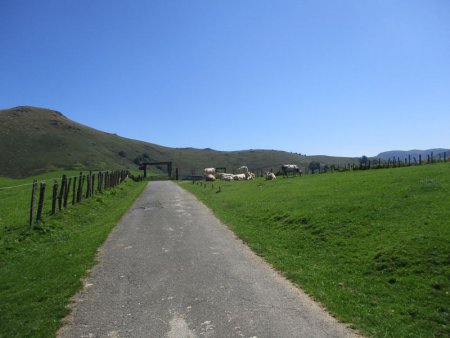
{"x": 41, "y": 268}
{"x": 372, "y": 246}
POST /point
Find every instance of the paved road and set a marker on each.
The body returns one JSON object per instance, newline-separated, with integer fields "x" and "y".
{"x": 171, "y": 269}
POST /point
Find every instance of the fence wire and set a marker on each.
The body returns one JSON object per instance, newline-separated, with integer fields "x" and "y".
{"x": 14, "y": 205}
{"x": 15, "y": 200}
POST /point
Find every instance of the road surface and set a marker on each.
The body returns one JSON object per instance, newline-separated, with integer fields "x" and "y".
{"x": 171, "y": 269}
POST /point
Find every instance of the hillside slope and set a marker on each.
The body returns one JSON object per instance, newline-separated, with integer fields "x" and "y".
{"x": 34, "y": 140}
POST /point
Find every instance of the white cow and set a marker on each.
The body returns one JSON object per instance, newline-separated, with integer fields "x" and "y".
{"x": 270, "y": 176}
{"x": 210, "y": 177}
{"x": 224, "y": 176}
{"x": 219, "y": 176}
{"x": 290, "y": 168}
{"x": 250, "y": 176}
{"x": 240, "y": 177}
{"x": 209, "y": 171}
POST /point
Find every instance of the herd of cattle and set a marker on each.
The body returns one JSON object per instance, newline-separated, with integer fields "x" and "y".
{"x": 210, "y": 174}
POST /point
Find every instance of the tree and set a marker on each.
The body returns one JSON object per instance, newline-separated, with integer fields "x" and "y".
{"x": 313, "y": 166}
{"x": 364, "y": 159}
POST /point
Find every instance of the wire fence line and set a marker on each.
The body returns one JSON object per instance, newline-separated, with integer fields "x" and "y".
{"x": 31, "y": 201}
{"x": 16, "y": 186}
{"x": 30, "y": 184}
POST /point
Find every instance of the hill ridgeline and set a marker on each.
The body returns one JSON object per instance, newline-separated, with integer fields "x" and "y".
{"x": 35, "y": 140}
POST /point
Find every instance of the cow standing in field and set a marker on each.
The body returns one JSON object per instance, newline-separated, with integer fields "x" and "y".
{"x": 290, "y": 168}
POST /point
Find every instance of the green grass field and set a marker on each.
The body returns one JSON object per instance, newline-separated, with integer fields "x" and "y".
{"x": 372, "y": 246}
{"x": 15, "y": 196}
{"x": 41, "y": 267}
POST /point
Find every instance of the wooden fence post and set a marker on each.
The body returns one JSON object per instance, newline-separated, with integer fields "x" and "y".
{"x": 62, "y": 192}
{"x": 80, "y": 187}
{"x": 93, "y": 185}
{"x": 54, "y": 196}
{"x": 66, "y": 195}
{"x": 99, "y": 182}
{"x": 88, "y": 185}
{"x": 64, "y": 188}
{"x": 33, "y": 201}
{"x": 41, "y": 202}
{"x": 83, "y": 179}
{"x": 74, "y": 194}
{"x": 106, "y": 179}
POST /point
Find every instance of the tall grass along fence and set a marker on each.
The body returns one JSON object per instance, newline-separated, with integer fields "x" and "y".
{"x": 49, "y": 199}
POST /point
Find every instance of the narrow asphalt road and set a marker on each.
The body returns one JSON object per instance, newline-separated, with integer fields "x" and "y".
{"x": 171, "y": 269}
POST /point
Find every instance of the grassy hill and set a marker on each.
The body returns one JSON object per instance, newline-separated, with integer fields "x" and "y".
{"x": 35, "y": 140}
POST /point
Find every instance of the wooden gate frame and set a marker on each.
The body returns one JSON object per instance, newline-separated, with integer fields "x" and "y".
{"x": 144, "y": 165}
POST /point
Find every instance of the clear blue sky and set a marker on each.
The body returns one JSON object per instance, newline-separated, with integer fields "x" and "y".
{"x": 347, "y": 77}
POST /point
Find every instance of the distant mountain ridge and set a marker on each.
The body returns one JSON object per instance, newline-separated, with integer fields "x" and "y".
{"x": 402, "y": 154}
{"x": 35, "y": 140}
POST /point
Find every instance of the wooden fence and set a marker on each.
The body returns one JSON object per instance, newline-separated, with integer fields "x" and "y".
{"x": 396, "y": 162}
{"x": 73, "y": 189}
